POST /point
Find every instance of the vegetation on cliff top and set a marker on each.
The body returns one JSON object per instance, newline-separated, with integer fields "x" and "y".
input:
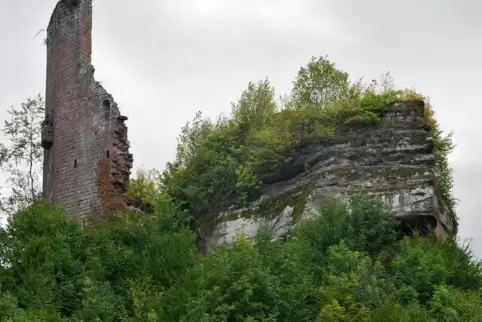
{"x": 226, "y": 162}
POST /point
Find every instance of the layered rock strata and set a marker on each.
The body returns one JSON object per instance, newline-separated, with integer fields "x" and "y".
{"x": 393, "y": 160}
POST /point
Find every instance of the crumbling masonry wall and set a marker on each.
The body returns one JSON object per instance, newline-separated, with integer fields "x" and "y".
{"x": 86, "y": 160}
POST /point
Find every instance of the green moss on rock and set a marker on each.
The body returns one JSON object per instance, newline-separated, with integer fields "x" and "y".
{"x": 272, "y": 208}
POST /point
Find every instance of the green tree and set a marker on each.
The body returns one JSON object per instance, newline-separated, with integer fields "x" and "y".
{"x": 363, "y": 224}
{"x": 450, "y": 304}
{"x": 203, "y": 177}
{"x": 255, "y": 107}
{"x": 126, "y": 251}
{"x": 232, "y": 286}
{"x": 146, "y": 185}
{"x": 21, "y": 156}
{"x": 352, "y": 281}
{"x": 43, "y": 250}
{"x": 285, "y": 261}
{"x": 319, "y": 84}
{"x": 423, "y": 263}
{"x": 192, "y": 136}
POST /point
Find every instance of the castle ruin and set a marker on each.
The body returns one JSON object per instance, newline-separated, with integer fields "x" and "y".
{"x": 86, "y": 151}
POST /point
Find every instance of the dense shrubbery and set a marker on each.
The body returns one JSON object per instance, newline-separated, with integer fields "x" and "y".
{"x": 345, "y": 265}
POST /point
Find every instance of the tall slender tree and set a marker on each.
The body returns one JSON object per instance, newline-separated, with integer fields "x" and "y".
{"x": 21, "y": 154}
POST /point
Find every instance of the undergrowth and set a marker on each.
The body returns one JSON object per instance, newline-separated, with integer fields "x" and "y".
{"x": 345, "y": 264}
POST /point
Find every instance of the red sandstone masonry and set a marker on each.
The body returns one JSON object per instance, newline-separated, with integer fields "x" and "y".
{"x": 86, "y": 160}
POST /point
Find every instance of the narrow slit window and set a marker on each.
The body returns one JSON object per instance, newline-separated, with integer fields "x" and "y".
{"x": 75, "y": 163}
{"x": 107, "y": 154}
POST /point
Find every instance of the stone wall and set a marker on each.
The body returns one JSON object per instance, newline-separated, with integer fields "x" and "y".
{"x": 86, "y": 160}
{"x": 393, "y": 160}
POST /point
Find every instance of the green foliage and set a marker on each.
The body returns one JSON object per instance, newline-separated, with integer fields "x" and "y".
{"x": 51, "y": 265}
{"x": 232, "y": 285}
{"x": 146, "y": 185}
{"x": 286, "y": 261}
{"x": 21, "y": 157}
{"x": 99, "y": 302}
{"x": 450, "y": 304}
{"x": 363, "y": 224}
{"x": 43, "y": 249}
{"x": 319, "y": 84}
{"x": 255, "y": 106}
{"x": 424, "y": 263}
{"x": 351, "y": 280}
{"x": 125, "y": 247}
{"x": 203, "y": 177}
{"x": 132, "y": 267}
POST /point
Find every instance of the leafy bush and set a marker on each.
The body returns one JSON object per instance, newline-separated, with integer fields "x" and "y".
{"x": 146, "y": 185}
{"x": 132, "y": 267}
{"x": 424, "y": 263}
{"x": 43, "y": 250}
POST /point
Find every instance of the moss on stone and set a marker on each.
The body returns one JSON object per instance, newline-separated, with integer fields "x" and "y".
{"x": 270, "y": 209}
{"x": 299, "y": 205}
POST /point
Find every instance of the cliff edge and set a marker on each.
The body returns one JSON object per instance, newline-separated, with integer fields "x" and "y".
{"x": 393, "y": 160}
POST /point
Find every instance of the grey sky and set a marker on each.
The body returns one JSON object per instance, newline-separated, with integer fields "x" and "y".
{"x": 163, "y": 60}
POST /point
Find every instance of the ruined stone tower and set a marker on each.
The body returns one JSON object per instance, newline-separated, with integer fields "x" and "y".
{"x": 86, "y": 160}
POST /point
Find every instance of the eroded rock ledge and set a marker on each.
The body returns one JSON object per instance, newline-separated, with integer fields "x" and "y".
{"x": 393, "y": 160}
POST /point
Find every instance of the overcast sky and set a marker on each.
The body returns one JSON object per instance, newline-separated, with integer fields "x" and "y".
{"x": 163, "y": 60}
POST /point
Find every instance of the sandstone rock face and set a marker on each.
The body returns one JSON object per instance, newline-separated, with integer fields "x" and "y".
{"x": 392, "y": 160}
